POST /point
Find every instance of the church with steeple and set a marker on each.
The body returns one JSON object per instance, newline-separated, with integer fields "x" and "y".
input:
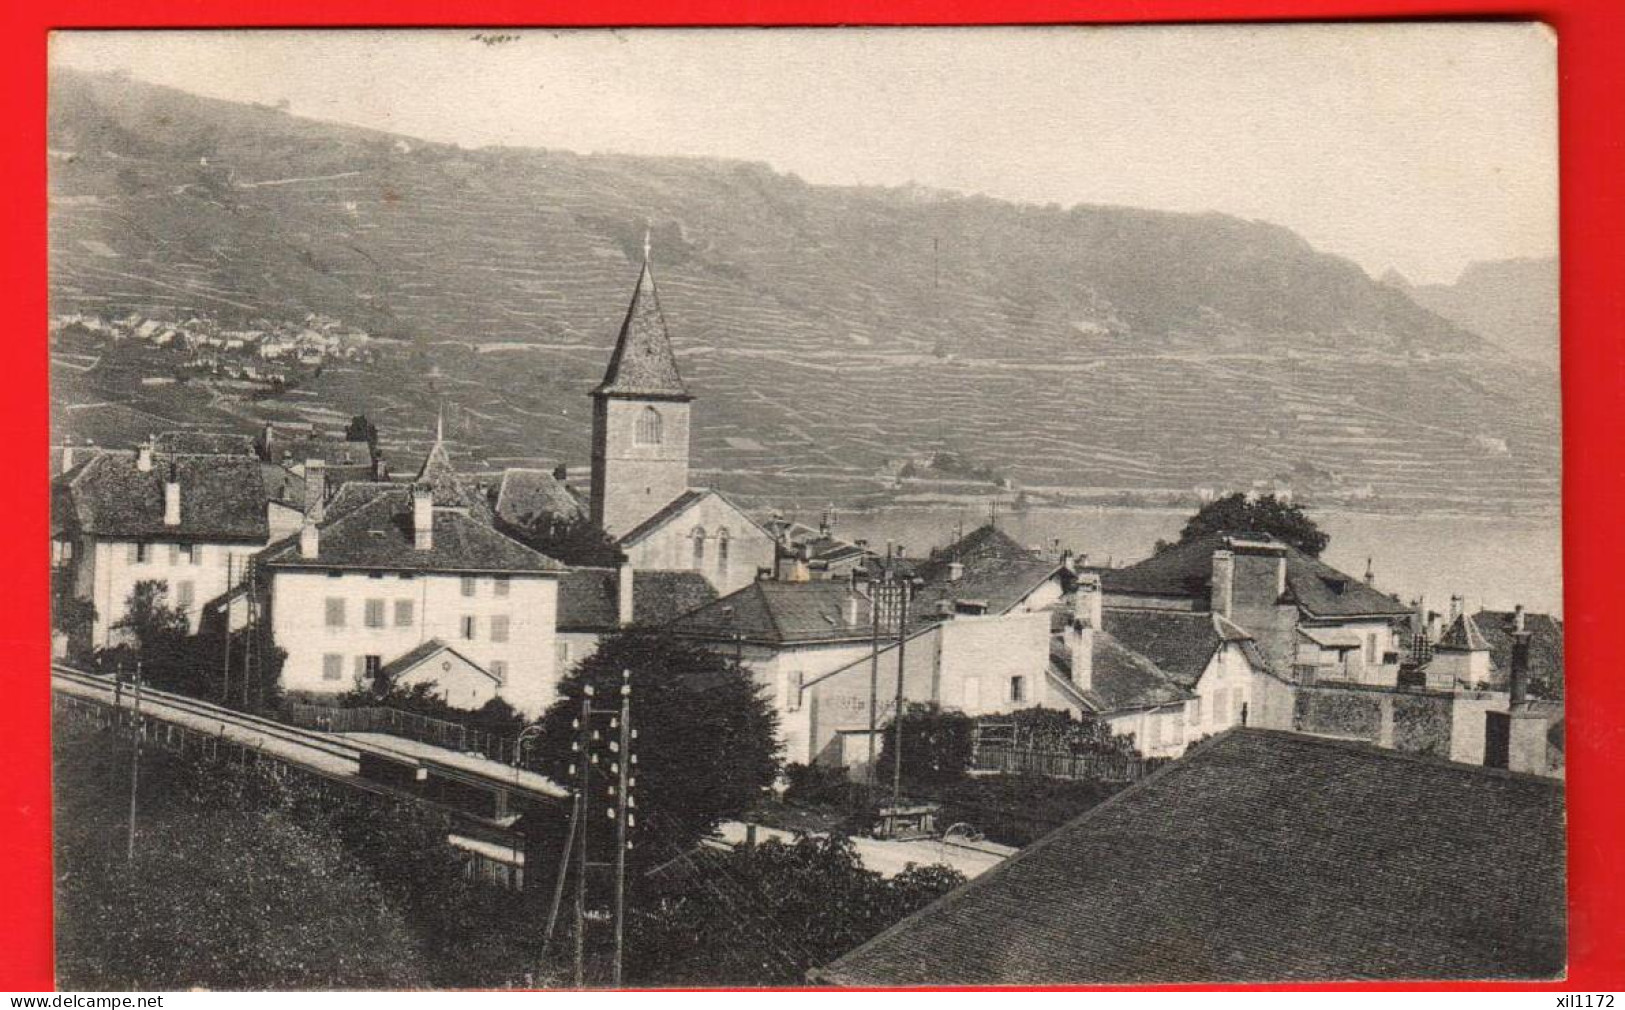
{"x": 640, "y": 461}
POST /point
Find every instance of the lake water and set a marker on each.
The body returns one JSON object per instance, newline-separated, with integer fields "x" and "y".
{"x": 1494, "y": 562}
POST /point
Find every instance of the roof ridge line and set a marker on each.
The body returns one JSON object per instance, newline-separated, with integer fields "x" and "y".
{"x": 975, "y": 884}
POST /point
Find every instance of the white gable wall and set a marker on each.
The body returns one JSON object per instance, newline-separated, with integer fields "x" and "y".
{"x": 671, "y": 546}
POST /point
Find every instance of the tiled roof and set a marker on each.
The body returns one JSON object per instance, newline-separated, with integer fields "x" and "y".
{"x": 352, "y": 494}
{"x": 203, "y": 443}
{"x": 589, "y": 598}
{"x": 377, "y": 535}
{"x": 407, "y": 661}
{"x": 1545, "y": 644}
{"x": 223, "y": 498}
{"x": 1120, "y": 679}
{"x": 1187, "y": 570}
{"x": 1334, "y": 639}
{"x": 526, "y": 495}
{"x": 334, "y": 452}
{"x": 1463, "y": 635}
{"x": 993, "y": 568}
{"x": 283, "y": 485}
{"x": 781, "y": 613}
{"x": 447, "y": 486}
{"x": 643, "y": 364}
{"x": 1180, "y": 644}
{"x": 984, "y": 542}
{"x": 1238, "y": 863}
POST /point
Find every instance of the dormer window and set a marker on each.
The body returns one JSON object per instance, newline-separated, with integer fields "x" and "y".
{"x": 650, "y": 427}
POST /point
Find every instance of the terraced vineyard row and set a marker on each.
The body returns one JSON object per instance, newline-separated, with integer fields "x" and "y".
{"x": 827, "y": 332}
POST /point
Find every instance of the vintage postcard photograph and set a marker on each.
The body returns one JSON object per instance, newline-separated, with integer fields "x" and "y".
{"x": 586, "y": 509}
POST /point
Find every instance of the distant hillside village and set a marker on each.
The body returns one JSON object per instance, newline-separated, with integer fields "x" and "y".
{"x": 270, "y": 356}
{"x": 494, "y": 591}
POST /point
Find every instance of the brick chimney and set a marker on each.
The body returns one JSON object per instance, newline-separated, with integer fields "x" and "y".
{"x": 172, "y": 500}
{"x": 422, "y": 518}
{"x": 67, "y": 458}
{"x": 624, "y": 600}
{"x": 1518, "y": 678}
{"x": 956, "y": 571}
{"x": 315, "y": 489}
{"x": 309, "y": 540}
{"x": 1224, "y": 579}
{"x": 1080, "y": 633}
{"x": 143, "y": 456}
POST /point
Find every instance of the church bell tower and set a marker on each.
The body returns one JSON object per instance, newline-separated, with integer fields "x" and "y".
{"x": 640, "y": 418}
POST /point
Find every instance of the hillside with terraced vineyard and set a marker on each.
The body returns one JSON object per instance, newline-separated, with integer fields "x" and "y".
{"x": 833, "y": 335}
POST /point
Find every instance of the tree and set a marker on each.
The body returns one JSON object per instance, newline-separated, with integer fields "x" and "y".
{"x": 362, "y": 430}
{"x": 573, "y": 541}
{"x": 1236, "y": 513}
{"x": 766, "y": 915}
{"x": 707, "y": 742}
{"x": 72, "y": 616}
{"x": 157, "y": 634}
{"x": 936, "y": 744}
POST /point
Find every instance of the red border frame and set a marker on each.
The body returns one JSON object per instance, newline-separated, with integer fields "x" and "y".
{"x": 1592, "y": 122}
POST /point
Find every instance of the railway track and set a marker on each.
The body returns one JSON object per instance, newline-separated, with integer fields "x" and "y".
{"x": 246, "y": 724}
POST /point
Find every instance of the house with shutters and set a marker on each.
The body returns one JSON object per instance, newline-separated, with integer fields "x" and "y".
{"x": 977, "y": 638}
{"x": 191, "y": 521}
{"x": 413, "y": 582}
{"x": 1165, "y": 678}
{"x": 1309, "y": 621}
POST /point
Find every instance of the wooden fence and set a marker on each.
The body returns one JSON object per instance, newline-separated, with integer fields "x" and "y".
{"x": 410, "y": 725}
{"x": 1008, "y": 759}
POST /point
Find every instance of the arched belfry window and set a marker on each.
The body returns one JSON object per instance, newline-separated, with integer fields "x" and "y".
{"x": 699, "y": 548}
{"x": 649, "y": 430}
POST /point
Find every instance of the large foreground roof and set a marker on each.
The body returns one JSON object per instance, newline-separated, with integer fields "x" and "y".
{"x": 1260, "y": 856}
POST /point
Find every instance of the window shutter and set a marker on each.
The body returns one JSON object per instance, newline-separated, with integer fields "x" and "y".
{"x": 135, "y": 553}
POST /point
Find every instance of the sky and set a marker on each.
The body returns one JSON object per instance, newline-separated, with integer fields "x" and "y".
{"x": 1418, "y": 147}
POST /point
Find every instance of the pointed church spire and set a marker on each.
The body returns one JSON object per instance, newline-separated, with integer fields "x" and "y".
{"x": 643, "y": 365}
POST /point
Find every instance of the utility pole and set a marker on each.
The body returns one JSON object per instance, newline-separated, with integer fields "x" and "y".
{"x": 623, "y": 818}
{"x": 583, "y": 786}
{"x": 906, "y": 588}
{"x": 873, "y": 775}
{"x": 135, "y": 761}
{"x": 225, "y": 650}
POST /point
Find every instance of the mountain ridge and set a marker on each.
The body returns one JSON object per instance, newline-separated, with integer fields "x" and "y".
{"x": 823, "y": 326}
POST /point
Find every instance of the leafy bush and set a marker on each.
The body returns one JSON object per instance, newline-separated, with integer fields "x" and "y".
{"x": 937, "y": 744}
{"x": 768, "y": 914}
{"x": 1053, "y": 729}
{"x": 817, "y": 785}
